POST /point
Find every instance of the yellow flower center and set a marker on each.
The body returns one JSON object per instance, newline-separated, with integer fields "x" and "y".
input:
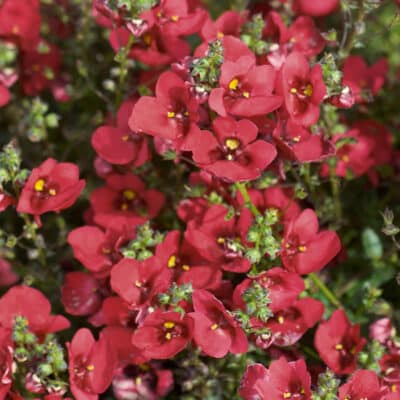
{"x": 233, "y": 84}
{"x": 129, "y": 194}
{"x": 172, "y": 262}
{"x": 308, "y": 91}
{"x": 214, "y": 327}
{"x": 169, "y": 324}
{"x": 232, "y": 144}
{"x": 39, "y": 185}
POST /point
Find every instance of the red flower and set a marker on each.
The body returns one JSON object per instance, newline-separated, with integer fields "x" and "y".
{"x": 186, "y": 264}
{"x": 20, "y": 22}
{"x": 52, "y": 186}
{"x": 245, "y": 89}
{"x": 338, "y": 343}
{"x": 5, "y": 201}
{"x": 124, "y": 201}
{"x": 234, "y": 153}
{"x": 364, "y": 81}
{"x": 80, "y": 294}
{"x": 316, "y": 8}
{"x": 170, "y": 113}
{"x": 283, "y": 288}
{"x": 175, "y": 17}
{"x": 31, "y": 304}
{"x": 98, "y": 251}
{"x": 7, "y": 276}
{"x": 283, "y": 380}
{"x": 362, "y": 385}
{"x": 296, "y": 143}
{"x": 151, "y": 47}
{"x": 6, "y": 362}
{"x": 303, "y": 89}
{"x": 228, "y": 23}
{"x": 137, "y": 282}
{"x": 215, "y": 330}
{"x": 120, "y": 145}
{"x": 91, "y": 365}
{"x": 288, "y": 325}
{"x": 219, "y": 240}
{"x": 305, "y": 249}
{"x": 163, "y": 334}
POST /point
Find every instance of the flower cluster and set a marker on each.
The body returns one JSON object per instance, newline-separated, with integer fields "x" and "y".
{"x": 216, "y": 249}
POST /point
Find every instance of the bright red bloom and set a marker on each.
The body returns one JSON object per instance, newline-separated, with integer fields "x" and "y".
{"x": 305, "y": 248}
{"x": 186, "y": 264}
{"x": 5, "y": 201}
{"x": 338, "y": 343}
{"x": 124, "y": 201}
{"x": 303, "y": 89}
{"x": 175, "y": 17}
{"x": 296, "y": 143}
{"x": 170, "y": 113}
{"x": 7, "y": 276}
{"x": 20, "y": 22}
{"x": 245, "y": 89}
{"x": 228, "y": 23}
{"x": 120, "y": 145}
{"x": 219, "y": 240}
{"x": 137, "y": 282}
{"x": 283, "y": 288}
{"x": 31, "y": 304}
{"x": 98, "y": 251}
{"x": 6, "y": 362}
{"x": 283, "y": 380}
{"x": 91, "y": 365}
{"x": 288, "y": 325}
{"x": 304, "y": 37}
{"x": 234, "y": 153}
{"x": 163, "y": 334}
{"x": 362, "y": 385}
{"x": 52, "y": 186}
{"x": 215, "y": 330}
{"x": 316, "y": 8}
{"x": 364, "y": 81}
{"x": 80, "y": 294}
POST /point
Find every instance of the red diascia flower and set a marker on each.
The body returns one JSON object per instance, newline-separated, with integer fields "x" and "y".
{"x": 283, "y": 288}
{"x": 6, "y": 362}
{"x": 316, "y": 8}
{"x": 228, "y": 23}
{"x": 7, "y": 276}
{"x": 31, "y": 304}
{"x": 296, "y": 143}
{"x": 186, "y": 264}
{"x": 363, "y": 384}
{"x": 303, "y": 89}
{"x": 215, "y": 331}
{"x": 20, "y": 22}
{"x": 98, "y": 251}
{"x": 125, "y": 201}
{"x": 338, "y": 343}
{"x": 283, "y": 380}
{"x": 176, "y": 17}
{"x": 219, "y": 239}
{"x": 289, "y": 324}
{"x": 169, "y": 114}
{"x": 234, "y": 153}
{"x": 120, "y": 145}
{"x": 91, "y": 365}
{"x": 137, "y": 282}
{"x": 364, "y": 81}
{"x": 245, "y": 89}
{"x": 52, "y": 186}
{"x": 305, "y": 249}
{"x": 163, "y": 334}
{"x": 80, "y": 294}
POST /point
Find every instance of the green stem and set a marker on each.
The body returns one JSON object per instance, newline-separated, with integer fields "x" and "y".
{"x": 325, "y": 290}
{"x": 246, "y": 197}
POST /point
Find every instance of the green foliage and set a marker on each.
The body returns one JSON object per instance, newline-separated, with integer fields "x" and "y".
{"x": 252, "y": 35}
{"x": 144, "y": 243}
{"x": 176, "y": 294}
{"x": 328, "y": 386}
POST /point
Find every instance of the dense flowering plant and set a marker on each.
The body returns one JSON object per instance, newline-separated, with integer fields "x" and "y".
{"x": 199, "y": 199}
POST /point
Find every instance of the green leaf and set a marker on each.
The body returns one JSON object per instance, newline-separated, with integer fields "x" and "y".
{"x": 371, "y": 243}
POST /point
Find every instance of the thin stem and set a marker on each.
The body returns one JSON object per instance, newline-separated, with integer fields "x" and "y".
{"x": 246, "y": 197}
{"x": 335, "y": 187}
{"x": 325, "y": 290}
